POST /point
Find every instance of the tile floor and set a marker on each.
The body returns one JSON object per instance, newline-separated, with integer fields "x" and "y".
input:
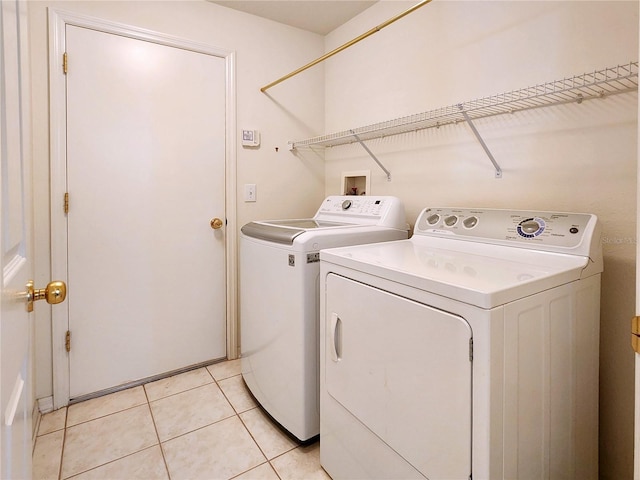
{"x": 201, "y": 424}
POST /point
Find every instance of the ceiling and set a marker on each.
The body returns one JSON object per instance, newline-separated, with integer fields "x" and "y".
{"x": 318, "y": 16}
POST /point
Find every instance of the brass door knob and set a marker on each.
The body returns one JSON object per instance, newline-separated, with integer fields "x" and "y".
{"x": 54, "y": 293}
{"x": 216, "y": 223}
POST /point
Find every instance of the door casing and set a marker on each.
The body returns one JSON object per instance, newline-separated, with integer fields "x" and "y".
{"x": 58, "y": 19}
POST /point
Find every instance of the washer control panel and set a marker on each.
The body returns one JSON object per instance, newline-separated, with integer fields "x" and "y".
{"x": 363, "y": 209}
{"x": 550, "y": 229}
{"x": 354, "y": 205}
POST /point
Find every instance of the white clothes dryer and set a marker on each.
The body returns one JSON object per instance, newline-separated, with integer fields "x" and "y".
{"x": 468, "y": 351}
{"x": 279, "y": 293}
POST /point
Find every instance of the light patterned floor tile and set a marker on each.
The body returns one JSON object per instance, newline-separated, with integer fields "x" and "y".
{"x": 262, "y": 472}
{"x": 105, "y": 439}
{"x": 114, "y": 437}
{"x": 47, "y": 456}
{"x": 106, "y": 405}
{"x": 190, "y": 410}
{"x": 178, "y": 383}
{"x": 52, "y": 421}
{"x": 145, "y": 465}
{"x": 223, "y": 370}
{"x": 271, "y": 440}
{"x": 219, "y": 451}
{"x": 302, "y": 462}
{"x": 237, "y": 393}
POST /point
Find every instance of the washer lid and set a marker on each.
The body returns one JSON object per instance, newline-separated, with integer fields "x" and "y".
{"x": 285, "y": 231}
{"x": 478, "y": 274}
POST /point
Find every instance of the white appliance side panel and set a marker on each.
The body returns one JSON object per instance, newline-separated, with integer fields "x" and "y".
{"x": 586, "y": 351}
{"x": 548, "y": 434}
{"x": 279, "y": 324}
{"x": 403, "y": 370}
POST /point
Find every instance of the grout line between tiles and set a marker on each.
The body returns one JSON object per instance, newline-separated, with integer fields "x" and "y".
{"x": 260, "y": 448}
{"x": 64, "y": 442}
{"x": 210, "y": 374}
{"x": 225, "y": 395}
{"x": 155, "y": 427}
{"x": 237, "y": 414}
{"x": 176, "y": 393}
{"x": 105, "y": 415}
{"x": 257, "y": 466}
{"x": 110, "y": 462}
{"x": 251, "y": 435}
{"x": 196, "y": 429}
{"x": 225, "y": 378}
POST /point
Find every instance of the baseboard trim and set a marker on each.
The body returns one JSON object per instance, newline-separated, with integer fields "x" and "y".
{"x": 45, "y": 405}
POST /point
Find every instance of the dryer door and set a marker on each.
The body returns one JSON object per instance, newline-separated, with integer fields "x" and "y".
{"x": 404, "y": 370}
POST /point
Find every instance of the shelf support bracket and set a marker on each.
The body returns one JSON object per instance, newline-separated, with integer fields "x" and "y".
{"x": 479, "y": 138}
{"x": 371, "y": 155}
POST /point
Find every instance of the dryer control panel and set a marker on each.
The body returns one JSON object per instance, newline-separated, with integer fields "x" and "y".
{"x": 552, "y": 231}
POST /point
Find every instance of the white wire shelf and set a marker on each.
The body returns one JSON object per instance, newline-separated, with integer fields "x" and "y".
{"x": 596, "y": 84}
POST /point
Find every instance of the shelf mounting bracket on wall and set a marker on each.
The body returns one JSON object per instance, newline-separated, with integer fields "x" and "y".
{"x": 479, "y": 138}
{"x": 372, "y": 155}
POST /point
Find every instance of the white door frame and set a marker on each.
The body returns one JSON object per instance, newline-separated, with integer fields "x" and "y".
{"x": 58, "y": 19}
{"x": 636, "y": 419}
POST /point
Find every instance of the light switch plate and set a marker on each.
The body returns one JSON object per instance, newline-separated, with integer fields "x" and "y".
{"x": 250, "y": 192}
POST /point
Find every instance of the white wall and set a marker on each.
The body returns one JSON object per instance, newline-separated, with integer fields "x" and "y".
{"x": 265, "y": 50}
{"x": 572, "y": 158}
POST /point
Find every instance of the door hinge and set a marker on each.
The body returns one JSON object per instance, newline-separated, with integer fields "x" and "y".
{"x": 66, "y": 202}
{"x": 64, "y": 63}
{"x": 471, "y": 349}
{"x": 67, "y": 341}
{"x": 635, "y": 334}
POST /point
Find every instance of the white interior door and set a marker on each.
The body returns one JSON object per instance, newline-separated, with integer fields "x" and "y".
{"x": 15, "y": 231}
{"x": 145, "y": 176}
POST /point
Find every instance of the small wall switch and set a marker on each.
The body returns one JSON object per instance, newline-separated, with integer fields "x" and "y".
{"x": 250, "y": 192}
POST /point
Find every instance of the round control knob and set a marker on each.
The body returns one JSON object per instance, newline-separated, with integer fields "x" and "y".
{"x": 451, "y": 220}
{"x": 346, "y": 205}
{"x": 530, "y": 226}
{"x": 433, "y": 219}
{"x": 470, "y": 222}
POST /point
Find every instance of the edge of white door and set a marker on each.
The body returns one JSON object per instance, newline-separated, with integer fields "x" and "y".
{"x": 636, "y": 420}
{"x": 58, "y": 19}
{"x": 16, "y": 245}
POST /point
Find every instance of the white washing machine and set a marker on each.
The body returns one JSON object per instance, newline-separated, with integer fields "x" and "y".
{"x": 279, "y": 292}
{"x": 467, "y": 351}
